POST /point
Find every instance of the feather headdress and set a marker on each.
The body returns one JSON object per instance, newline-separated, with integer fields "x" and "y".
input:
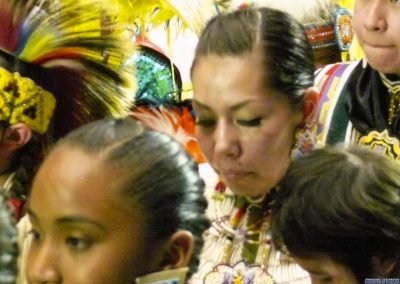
{"x": 182, "y": 14}
{"x": 60, "y": 67}
{"x": 65, "y": 50}
{"x": 176, "y": 121}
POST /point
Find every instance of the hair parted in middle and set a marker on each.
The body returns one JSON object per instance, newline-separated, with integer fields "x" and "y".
{"x": 281, "y": 40}
{"x": 160, "y": 179}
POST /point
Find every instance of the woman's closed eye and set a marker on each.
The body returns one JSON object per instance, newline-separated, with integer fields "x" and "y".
{"x": 207, "y": 123}
{"x": 250, "y": 122}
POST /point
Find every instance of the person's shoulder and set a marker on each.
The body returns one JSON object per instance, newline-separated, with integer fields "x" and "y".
{"x": 329, "y": 80}
{"x": 338, "y": 69}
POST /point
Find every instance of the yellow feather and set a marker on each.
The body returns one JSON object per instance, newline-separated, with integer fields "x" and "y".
{"x": 192, "y": 14}
{"x": 72, "y": 43}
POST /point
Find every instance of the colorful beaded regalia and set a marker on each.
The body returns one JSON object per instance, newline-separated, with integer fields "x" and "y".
{"x": 238, "y": 246}
{"x": 351, "y": 109}
{"x": 328, "y": 26}
{"x": 54, "y": 75}
{"x": 336, "y": 31}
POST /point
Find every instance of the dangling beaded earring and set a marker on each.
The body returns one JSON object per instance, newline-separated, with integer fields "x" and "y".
{"x": 305, "y": 141}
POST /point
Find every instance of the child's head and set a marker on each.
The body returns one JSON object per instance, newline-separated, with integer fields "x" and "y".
{"x": 341, "y": 207}
{"x": 114, "y": 201}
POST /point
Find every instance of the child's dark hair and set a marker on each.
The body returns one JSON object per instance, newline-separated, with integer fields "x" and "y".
{"x": 342, "y": 203}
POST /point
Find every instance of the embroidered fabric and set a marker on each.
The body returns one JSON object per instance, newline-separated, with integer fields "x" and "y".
{"x": 393, "y": 87}
{"x": 239, "y": 241}
{"x": 355, "y": 108}
{"x": 368, "y": 103}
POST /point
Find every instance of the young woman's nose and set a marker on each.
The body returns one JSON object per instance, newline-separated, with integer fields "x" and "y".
{"x": 43, "y": 265}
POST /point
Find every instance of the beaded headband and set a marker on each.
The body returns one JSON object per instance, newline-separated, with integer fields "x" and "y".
{"x": 338, "y": 32}
{"x": 335, "y": 31}
{"x": 21, "y": 100}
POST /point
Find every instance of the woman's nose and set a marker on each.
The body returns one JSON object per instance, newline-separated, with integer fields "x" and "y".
{"x": 42, "y": 265}
{"x": 227, "y": 141}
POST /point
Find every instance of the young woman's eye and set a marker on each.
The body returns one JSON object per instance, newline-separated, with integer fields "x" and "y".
{"x": 78, "y": 243}
{"x": 35, "y": 235}
{"x": 207, "y": 123}
{"x": 251, "y": 122}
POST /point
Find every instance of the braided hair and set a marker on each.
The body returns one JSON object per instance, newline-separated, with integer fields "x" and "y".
{"x": 161, "y": 179}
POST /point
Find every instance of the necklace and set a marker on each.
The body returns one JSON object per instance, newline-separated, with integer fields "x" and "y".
{"x": 394, "y": 97}
{"x": 244, "y": 222}
{"x": 238, "y": 245}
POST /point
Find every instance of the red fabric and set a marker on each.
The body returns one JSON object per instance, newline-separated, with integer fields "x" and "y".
{"x": 8, "y": 30}
{"x": 17, "y": 207}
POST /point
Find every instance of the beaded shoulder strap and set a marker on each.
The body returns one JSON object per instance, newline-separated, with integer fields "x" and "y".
{"x": 332, "y": 119}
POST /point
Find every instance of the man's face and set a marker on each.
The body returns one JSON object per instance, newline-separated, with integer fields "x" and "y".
{"x": 377, "y": 26}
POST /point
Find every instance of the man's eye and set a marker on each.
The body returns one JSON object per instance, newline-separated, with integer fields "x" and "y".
{"x": 251, "y": 123}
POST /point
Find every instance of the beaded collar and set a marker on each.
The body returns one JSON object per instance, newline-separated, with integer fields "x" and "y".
{"x": 243, "y": 219}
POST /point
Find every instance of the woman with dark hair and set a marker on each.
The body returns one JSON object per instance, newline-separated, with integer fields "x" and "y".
{"x": 114, "y": 202}
{"x": 252, "y": 82}
{"x": 337, "y": 213}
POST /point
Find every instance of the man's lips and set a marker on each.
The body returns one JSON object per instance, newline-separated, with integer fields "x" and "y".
{"x": 232, "y": 174}
{"x": 379, "y": 45}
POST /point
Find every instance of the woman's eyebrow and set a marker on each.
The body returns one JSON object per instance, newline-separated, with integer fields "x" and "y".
{"x": 80, "y": 220}
{"x": 69, "y": 220}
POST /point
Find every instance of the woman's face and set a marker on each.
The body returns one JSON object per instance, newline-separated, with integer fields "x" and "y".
{"x": 245, "y": 132}
{"x": 83, "y": 230}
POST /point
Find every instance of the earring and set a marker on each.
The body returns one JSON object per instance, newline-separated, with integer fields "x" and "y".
{"x": 173, "y": 276}
{"x": 305, "y": 141}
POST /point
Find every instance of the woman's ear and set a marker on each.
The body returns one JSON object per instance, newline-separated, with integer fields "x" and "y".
{"x": 179, "y": 250}
{"x": 311, "y": 98}
{"x": 16, "y": 136}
